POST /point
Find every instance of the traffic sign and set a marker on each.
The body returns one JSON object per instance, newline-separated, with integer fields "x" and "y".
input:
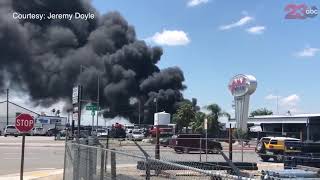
{"x": 24, "y": 123}
{"x": 92, "y": 108}
{"x": 75, "y": 95}
{"x": 75, "y": 116}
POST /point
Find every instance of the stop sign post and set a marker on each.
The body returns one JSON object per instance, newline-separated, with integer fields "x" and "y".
{"x": 24, "y": 123}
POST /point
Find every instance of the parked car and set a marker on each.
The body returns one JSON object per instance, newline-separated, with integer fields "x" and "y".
{"x": 277, "y": 147}
{"x": 52, "y": 132}
{"x": 102, "y": 133}
{"x": 136, "y": 135}
{"x": 184, "y": 143}
{"x": 11, "y": 130}
{"x": 163, "y": 131}
{"x": 164, "y": 140}
{"x": 83, "y": 133}
{"x": 38, "y": 131}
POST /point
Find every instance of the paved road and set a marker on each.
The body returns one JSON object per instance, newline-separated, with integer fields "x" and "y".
{"x": 45, "y": 153}
{"x": 40, "y": 153}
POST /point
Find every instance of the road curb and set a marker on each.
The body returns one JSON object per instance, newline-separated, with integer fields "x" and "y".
{"x": 55, "y": 174}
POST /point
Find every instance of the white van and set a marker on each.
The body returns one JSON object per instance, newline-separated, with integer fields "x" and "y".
{"x": 38, "y": 131}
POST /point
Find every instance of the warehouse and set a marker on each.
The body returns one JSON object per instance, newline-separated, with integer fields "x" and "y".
{"x": 305, "y": 126}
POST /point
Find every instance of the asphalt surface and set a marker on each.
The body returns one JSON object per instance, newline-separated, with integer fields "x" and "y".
{"x": 169, "y": 154}
{"x": 41, "y": 153}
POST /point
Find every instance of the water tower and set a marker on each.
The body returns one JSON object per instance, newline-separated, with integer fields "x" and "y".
{"x": 241, "y": 87}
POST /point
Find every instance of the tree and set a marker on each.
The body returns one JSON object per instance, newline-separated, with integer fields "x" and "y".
{"x": 213, "y": 118}
{"x": 198, "y": 124}
{"x": 184, "y": 115}
{"x": 261, "y": 112}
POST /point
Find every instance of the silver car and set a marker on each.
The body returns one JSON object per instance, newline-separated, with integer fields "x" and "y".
{"x": 136, "y": 135}
{"x": 11, "y": 130}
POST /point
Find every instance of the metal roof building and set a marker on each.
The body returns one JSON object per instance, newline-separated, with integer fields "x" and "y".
{"x": 305, "y": 126}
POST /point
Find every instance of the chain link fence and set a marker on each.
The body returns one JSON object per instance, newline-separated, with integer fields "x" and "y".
{"x": 94, "y": 162}
{"x": 198, "y": 151}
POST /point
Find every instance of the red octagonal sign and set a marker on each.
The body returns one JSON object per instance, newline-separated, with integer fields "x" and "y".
{"x": 24, "y": 123}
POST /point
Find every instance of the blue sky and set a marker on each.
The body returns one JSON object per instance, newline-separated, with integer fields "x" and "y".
{"x": 213, "y": 40}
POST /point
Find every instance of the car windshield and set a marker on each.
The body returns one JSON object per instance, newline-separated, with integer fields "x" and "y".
{"x": 101, "y": 131}
{"x": 136, "y": 132}
{"x": 266, "y": 140}
{"x": 10, "y": 127}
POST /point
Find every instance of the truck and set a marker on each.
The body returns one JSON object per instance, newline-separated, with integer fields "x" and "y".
{"x": 184, "y": 143}
{"x": 117, "y": 131}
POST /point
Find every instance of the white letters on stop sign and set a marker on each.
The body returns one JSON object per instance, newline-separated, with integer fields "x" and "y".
{"x": 24, "y": 122}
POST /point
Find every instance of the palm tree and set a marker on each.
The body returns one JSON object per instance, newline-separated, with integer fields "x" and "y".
{"x": 213, "y": 118}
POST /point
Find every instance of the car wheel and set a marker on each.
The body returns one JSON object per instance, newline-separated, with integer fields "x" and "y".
{"x": 5, "y": 135}
{"x": 265, "y": 158}
{"x": 279, "y": 158}
{"x": 260, "y": 147}
{"x": 15, "y": 135}
{"x": 178, "y": 151}
{"x": 215, "y": 151}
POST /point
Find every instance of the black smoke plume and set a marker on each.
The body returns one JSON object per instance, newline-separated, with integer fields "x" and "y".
{"x": 44, "y": 58}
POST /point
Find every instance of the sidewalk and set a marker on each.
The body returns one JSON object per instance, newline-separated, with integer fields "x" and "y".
{"x": 55, "y": 174}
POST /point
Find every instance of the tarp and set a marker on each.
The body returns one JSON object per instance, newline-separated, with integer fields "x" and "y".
{"x": 256, "y": 128}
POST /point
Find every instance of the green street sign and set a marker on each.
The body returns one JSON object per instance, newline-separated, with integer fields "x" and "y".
{"x": 92, "y": 108}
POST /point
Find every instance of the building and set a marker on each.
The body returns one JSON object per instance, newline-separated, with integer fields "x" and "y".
{"x": 305, "y": 126}
{"x": 8, "y": 116}
{"x": 47, "y": 122}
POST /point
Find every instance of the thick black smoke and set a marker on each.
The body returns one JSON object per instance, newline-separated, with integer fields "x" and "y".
{"x": 44, "y": 59}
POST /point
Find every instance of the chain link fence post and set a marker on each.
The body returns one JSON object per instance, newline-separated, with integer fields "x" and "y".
{"x": 200, "y": 149}
{"x": 102, "y": 168}
{"x": 76, "y": 163}
{"x": 113, "y": 165}
{"x": 147, "y": 168}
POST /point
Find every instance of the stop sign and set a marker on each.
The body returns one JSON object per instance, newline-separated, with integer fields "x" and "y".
{"x": 24, "y": 123}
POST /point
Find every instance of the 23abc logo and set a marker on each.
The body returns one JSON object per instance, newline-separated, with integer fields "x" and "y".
{"x": 300, "y": 11}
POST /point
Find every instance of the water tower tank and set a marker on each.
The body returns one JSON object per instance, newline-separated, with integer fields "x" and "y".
{"x": 161, "y": 118}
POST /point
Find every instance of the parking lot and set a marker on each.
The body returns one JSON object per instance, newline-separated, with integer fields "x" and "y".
{"x": 45, "y": 153}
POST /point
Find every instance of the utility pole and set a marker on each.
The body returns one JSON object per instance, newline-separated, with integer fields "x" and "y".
{"x": 277, "y": 104}
{"x": 155, "y": 100}
{"x": 98, "y": 99}
{"x": 157, "y": 148}
{"x": 139, "y": 113}
{"x": 7, "y": 106}
{"x": 79, "y": 111}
